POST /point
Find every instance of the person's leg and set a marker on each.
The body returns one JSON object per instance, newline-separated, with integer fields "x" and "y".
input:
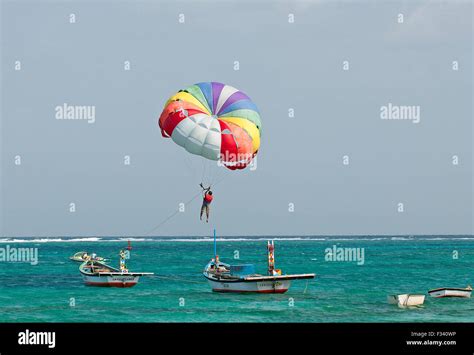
{"x": 202, "y": 210}
{"x": 207, "y": 212}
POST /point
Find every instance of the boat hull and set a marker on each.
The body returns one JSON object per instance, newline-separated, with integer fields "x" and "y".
{"x": 450, "y": 293}
{"x": 406, "y": 300}
{"x": 111, "y": 281}
{"x": 278, "y": 286}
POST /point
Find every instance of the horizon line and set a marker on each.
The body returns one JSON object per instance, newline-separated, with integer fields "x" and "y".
{"x": 248, "y": 235}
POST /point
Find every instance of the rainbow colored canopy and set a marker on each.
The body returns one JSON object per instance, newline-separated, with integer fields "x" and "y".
{"x": 213, "y": 120}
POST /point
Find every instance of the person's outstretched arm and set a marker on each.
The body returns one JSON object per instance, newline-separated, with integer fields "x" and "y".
{"x": 204, "y": 189}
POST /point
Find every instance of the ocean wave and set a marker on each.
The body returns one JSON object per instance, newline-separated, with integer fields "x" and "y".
{"x": 135, "y": 239}
{"x": 233, "y": 239}
{"x": 229, "y": 239}
{"x": 31, "y": 240}
{"x": 48, "y": 240}
{"x": 155, "y": 239}
{"x": 92, "y": 239}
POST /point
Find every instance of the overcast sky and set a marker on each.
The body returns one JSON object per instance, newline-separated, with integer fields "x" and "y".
{"x": 282, "y": 66}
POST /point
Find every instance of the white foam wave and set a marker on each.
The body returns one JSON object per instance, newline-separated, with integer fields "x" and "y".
{"x": 224, "y": 239}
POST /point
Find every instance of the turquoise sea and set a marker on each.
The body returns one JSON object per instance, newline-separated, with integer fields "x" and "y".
{"x": 53, "y": 290}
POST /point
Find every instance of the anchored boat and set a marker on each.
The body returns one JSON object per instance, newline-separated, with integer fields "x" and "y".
{"x": 406, "y": 300}
{"x": 96, "y": 273}
{"x": 82, "y": 256}
{"x": 223, "y": 277}
{"x": 451, "y": 292}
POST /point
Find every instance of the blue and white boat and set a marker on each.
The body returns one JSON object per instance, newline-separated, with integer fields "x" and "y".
{"x": 224, "y": 277}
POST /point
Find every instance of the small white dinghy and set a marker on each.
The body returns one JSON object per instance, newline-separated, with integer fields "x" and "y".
{"x": 451, "y": 292}
{"x": 406, "y": 300}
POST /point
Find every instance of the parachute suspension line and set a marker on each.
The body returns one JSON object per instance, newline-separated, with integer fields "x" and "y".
{"x": 220, "y": 180}
{"x": 177, "y": 210}
{"x": 173, "y": 214}
{"x": 189, "y": 164}
{"x": 204, "y": 168}
{"x": 212, "y": 171}
{"x": 209, "y": 172}
{"x": 216, "y": 176}
{"x": 203, "y": 176}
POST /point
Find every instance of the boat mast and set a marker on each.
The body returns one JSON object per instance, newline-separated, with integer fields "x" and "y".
{"x": 271, "y": 257}
{"x": 123, "y": 267}
{"x": 215, "y": 246}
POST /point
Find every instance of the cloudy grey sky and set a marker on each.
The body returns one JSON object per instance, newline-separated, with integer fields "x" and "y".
{"x": 283, "y": 66}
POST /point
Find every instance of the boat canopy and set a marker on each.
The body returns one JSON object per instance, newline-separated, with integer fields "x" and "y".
{"x": 242, "y": 270}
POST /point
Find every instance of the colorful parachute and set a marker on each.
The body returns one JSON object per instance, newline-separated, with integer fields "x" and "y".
{"x": 215, "y": 121}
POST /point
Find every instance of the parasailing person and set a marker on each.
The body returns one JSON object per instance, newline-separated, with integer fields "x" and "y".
{"x": 206, "y": 201}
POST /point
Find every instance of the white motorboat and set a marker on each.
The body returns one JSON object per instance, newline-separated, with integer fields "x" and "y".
{"x": 223, "y": 277}
{"x": 96, "y": 273}
{"x": 451, "y": 292}
{"x": 406, "y": 300}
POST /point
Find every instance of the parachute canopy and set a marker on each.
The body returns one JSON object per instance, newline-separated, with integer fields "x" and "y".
{"x": 213, "y": 120}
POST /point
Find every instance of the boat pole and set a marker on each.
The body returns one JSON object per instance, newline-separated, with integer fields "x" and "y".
{"x": 271, "y": 257}
{"x": 215, "y": 246}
